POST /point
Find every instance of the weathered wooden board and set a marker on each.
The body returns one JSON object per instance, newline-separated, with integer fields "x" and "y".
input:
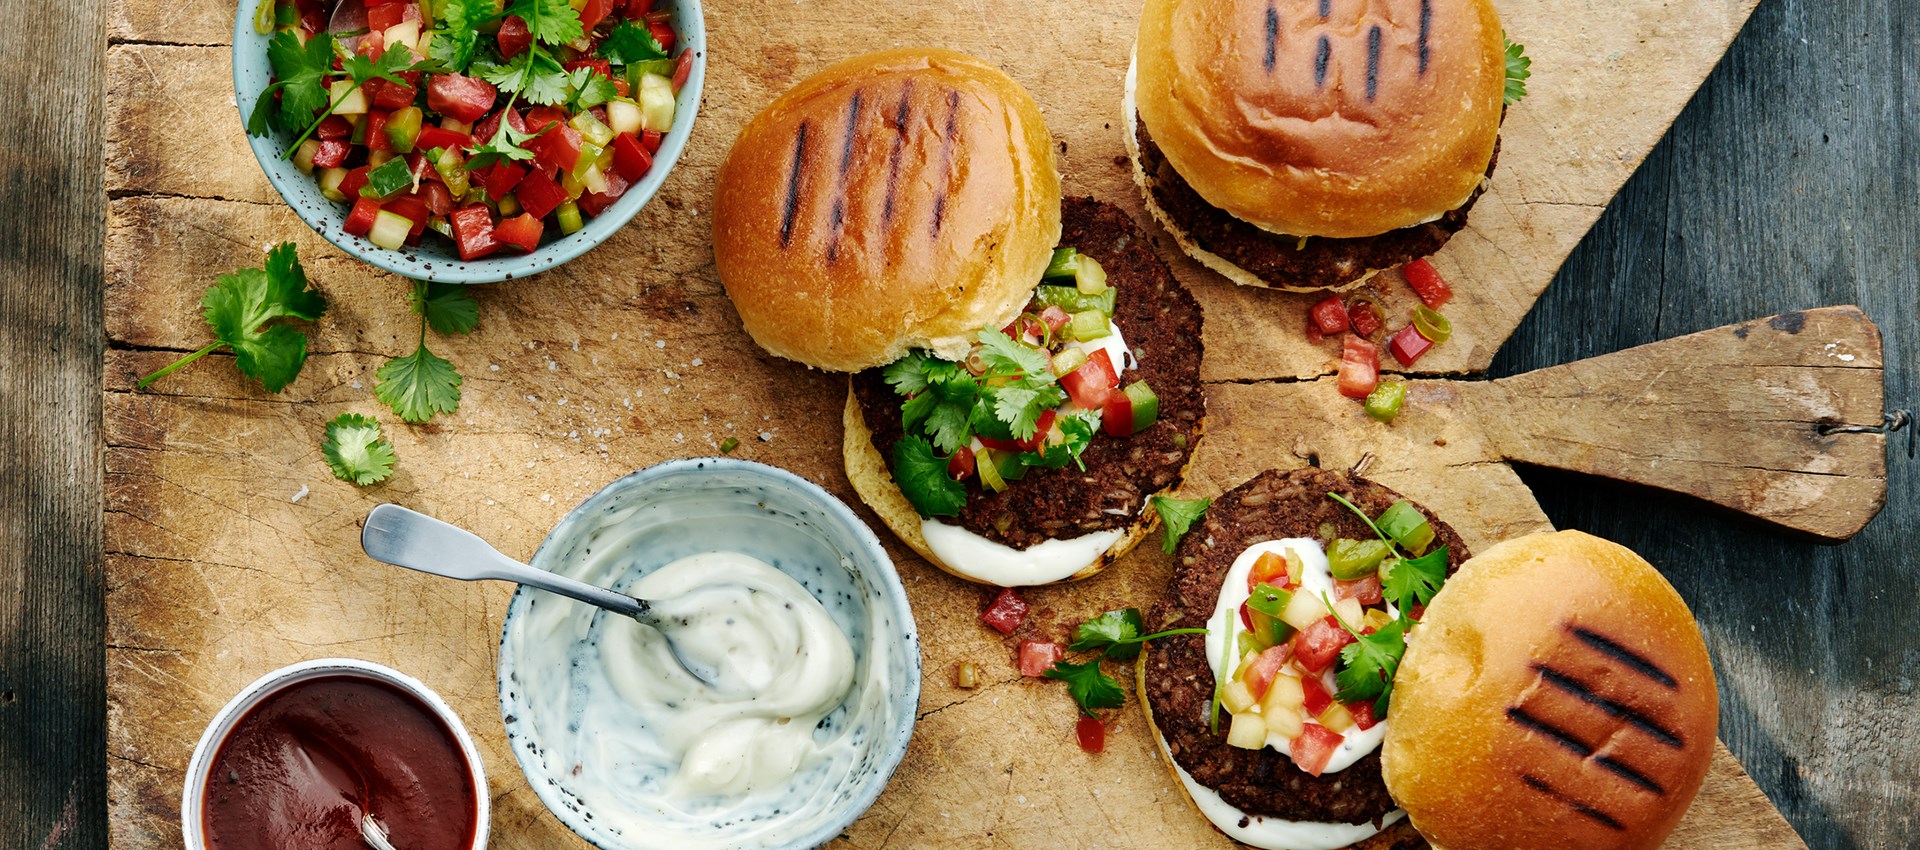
{"x": 231, "y": 551}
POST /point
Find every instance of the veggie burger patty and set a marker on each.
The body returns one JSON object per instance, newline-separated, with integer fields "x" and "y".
{"x": 1160, "y": 321}
{"x": 1179, "y": 683}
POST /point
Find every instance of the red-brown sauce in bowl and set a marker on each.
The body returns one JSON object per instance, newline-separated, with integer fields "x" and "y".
{"x": 299, "y": 768}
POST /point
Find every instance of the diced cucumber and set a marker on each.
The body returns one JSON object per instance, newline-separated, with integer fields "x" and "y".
{"x": 594, "y": 180}
{"x": 347, "y": 98}
{"x": 590, "y": 127}
{"x": 656, "y": 102}
{"x": 452, "y": 168}
{"x": 589, "y": 154}
{"x": 1088, "y": 277}
{"x": 1088, "y": 325}
{"x": 405, "y": 33}
{"x": 303, "y": 157}
{"x": 388, "y": 179}
{"x": 330, "y": 179}
{"x": 568, "y": 214}
{"x": 403, "y": 127}
{"x": 1068, "y": 360}
{"x": 454, "y": 126}
{"x": 623, "y": 116}
{"x": 389, "y": 230}
{"x": 636, "y": 70}
{"x": 1069, "y": 299}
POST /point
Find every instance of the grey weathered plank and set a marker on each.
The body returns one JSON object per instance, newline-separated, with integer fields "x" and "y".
{"x": 1790, "y": 182}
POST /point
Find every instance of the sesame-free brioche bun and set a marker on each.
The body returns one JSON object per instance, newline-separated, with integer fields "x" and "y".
{"x": 1329, "y": 118}
{"x": 867, "y": 471}
{"x": 897, "y": 200}
{"x": 1556, "y": 694}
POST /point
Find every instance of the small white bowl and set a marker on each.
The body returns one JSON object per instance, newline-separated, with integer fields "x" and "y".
{"x": 193, "y": 797}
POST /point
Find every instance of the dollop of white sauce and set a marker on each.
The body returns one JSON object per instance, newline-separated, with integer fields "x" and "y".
{"x": 993, "y": 562}
{"x": 1273, "y": 833}
{"x": 669, "y": 760}
{"x": 1225, "y": 624}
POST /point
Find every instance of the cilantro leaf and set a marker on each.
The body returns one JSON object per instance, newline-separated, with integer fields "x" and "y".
{"x": 355, "y": 451}
{"x": 458, "y": 16}
{"x": 1091, "y": 687}
{"x": 947, "y": 425}
{"x": 533, "y": 75}
{"x": 548, "y": 21}
{"x": 1113, "y": 627}
{"x": 506, "y": 144}
{"x": 239, "y": 306}
{"x": 449, "y": 308}
{"x": 453, "y": 50}
{"x": 908, "y": 375}
{"x": 1407, "y": 582}
{"x": 1368, "y": 665}
{"x": 418, "y": 385}
{"x": 1004, "y": 356}
{"x": 917, "y": 409}
{"x": 922, "y": 476}
{"x": 589, "y": 89}
{"x": 388, "y": 67}
{"x": 1518, "y": 70}
{"x": 301, "y": 71}
{"x": 1176, "y": 517}
{"x": 629, "y": 43}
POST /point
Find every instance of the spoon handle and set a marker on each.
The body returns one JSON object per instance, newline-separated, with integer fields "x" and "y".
{"x": 407, "y": 538}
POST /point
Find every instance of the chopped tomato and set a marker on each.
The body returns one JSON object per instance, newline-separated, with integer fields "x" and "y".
{"x": 412, "y": 209}
{"x": 1366, "y": 590}
{"x": 377, "y": 131}
{"x": 593, "y": 12}
{"x": 639, "y": 8}
{"x": 630, "y": 158}
{"x": 1314, "y": 748}
{"x": 1038, "y": 656}
{"x": 1317, "y": 697}
{"x": 503, "y": 178}
{"x": 1006, "y": 612}
{"x": 1330, "y": 316}
{"x": 1426, "y": 283}
{"x": 1318, "y": 645}
{"x": 961, "y": 465}
{"x": 332, "y": 153}
{"x": 334, "y": 127}
{"x": 1259, "y": 675}
{"x": 390, "y": 95}
{"x": 1362, "y": 715}
{"x": 513, "y": 36}
{"x": 682, "y": 69}
{"x": 1363, "y": 317}
{"x": 437, "y": 137}
{"x": 662, "y": 33}
{"x": 1116, "y": 416}
{"x": 558, "y": 147}
{"x": 1408, "y": 345}
{"x": 1055, "y": 317}
{"x": 521, "y": 231}
{"x": 541, "y": 117}
{"x": 360, "y": 220}
{"x": 1269, "y": 567}
{"x": 1091, "y": 733}
{"x": 539, "y": 194}
{"x": 439, "y": 201}
{"x": 462, "y": 98}
{"x": 1359, "y": 368}
{"x": 1091, "y": 384}
{"x": 490, "y": 125}
{"x": 599, "y": 66}
{"x": 473, "y": 231}
{"x": 382, "y": 17}
{"x": 354, "y": 182}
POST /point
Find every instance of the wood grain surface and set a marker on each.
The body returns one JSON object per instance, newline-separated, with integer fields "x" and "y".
{"x": 1750, "y": 169}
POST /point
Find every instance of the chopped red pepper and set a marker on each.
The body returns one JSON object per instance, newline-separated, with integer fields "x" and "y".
{"x": 412, "y": 209}
{"x": 595, "y": 203}
{"x": 1092, "y": 384}
{"x": 1359, "y": 368}
{"x": 513, "y": 36}
{"x": 1006, "y": 612}
{"x": 490, "y": 125}
{"x": 1408, "y": 345}
{"x": 637, "y": 9}
{"x": 1040, "y": 429}
{"x": 1330, "y": 316}
{"x": 593, "y": 12}
{"x": 1426, "y": 283}
{"x": 334, "y": 127}
{"x": 439, "y": 137}
{"x": 360, "y": 219}
{"x": 1116, "y": 415}
{"x": 377, "y": 131}
{"x": 354, "y": 182}
{"x": 462, "y": 98}
{"x": 521, "y": 231}
{"x": 558, "y": 147}
{"x": 1363, "y": 317}
{"x": 662, "y": 33}
{"x": 1362, "y": 715}
{"x": 650, "y": 139}
{"x": 502, "y": 178}
{"x": 630, "y": 158}
{"x": 1038, "y": 656}
{"x": 439, "y": 201}
{"x": 332, "y": 152}
{"x": 539, "y": 194}
{"x": 473, "y": 231}
{"x": 1091, "y": 733}
{"x": 390, "y": 95}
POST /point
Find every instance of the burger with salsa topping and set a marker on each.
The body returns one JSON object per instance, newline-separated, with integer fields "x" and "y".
{"x": 1026, "y": 373}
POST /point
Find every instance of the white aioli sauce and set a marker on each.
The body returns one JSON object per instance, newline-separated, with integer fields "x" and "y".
{"x": 667, "y": 760}
{"x": 994, "y": 562}
{"x": 1318, "y": 581}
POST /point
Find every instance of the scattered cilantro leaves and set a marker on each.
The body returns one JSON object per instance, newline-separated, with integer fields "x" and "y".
{"x": 1091, "y": 687}
{"x": 551, "y": 22}
{"x": 301, "y": 72}
{"x": 449, "y": 308}
{"x": 422, "y": 384}
{"x": 1407, "y": 582}
{"x": 629, "y": 43}
{"x": 361, "y": 70}
{"x": 533, "y": 75}
{"x": 1004, "y": 356}
{"x": 506, "y": 144}
{"x": 1368, "y": 665}
{"x": 1519, "y": 67}
{"x": 908, "y": 375}
{"x": 590, "y": 89}
{"x": 1116, "y": 636}
{"x": 355, "y": 450}
{"x": 922, "y": 476}
{"x": 240, "y": 308}
{"x": 1176, "y": 517}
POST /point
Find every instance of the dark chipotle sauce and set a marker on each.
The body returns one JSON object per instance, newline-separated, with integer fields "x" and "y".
{"x": 299, "y": 768}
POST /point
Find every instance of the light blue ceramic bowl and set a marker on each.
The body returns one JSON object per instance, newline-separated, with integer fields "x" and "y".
{"x": 435, "y": 258}
{"x": 688, "y": 507}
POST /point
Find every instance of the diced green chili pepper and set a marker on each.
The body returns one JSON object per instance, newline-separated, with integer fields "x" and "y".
{"x": 1407, "y": 526}
{"x": 1146, "y": 405}
{"x": 589, "y": 154}
{"x": 1265, "y": 605}
{"x": 729, "y": 444}
{"x": 403, "y": 127}
{"x": 1249, "y": 643}
{"x": 989, "y": 473}
{"x": 388, "y": 180}
{"x": 1430, "y": 324}
{"x": 452, "y": 168}
{"x": 1088, "y": 277}
{"x": 1351, "y": 560}
{"x": 568, "y": 214}
{"x": 1069, "y": 299}
{"x": 1088, "y": 325}
{"x": 286, "y": 15}
{"x": 263, "y": 16}
{"x": 1386, "y": 399}
{"x": 591, "y": 128}
{"x": 1062, "y": 265}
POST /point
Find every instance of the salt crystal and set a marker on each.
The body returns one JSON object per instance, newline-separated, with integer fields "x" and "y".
{"x": 660, "y": 343}
{"x": 304, "y": 490}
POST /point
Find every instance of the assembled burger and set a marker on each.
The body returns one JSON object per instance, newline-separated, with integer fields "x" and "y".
{"x": 1026, "y": 372}
{"x": 1306, "y": 144}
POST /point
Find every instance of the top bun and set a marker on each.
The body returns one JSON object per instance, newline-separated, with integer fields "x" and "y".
{"x": 901, "y": 199}
{"x": 1332, "y": 118}
{"x": 1557, "y": 694}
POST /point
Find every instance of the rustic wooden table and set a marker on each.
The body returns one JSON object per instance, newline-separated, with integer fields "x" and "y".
{"x": 1787, "y": 184}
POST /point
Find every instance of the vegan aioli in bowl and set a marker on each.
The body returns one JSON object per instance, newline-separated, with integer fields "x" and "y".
{"x": 781, "y": 749}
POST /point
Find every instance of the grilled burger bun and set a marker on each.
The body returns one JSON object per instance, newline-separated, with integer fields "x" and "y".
{"x": 1557, "y": 694}
{"x": 1161, "y": 324}
{"x": 1263, "y": 123}
{"x": 901, "y": 199}
{"x": 1263, "y": 789}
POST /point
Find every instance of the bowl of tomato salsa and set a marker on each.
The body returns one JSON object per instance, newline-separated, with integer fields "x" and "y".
{"x": 461, "y": 141}
{"x": 302, "y": 756}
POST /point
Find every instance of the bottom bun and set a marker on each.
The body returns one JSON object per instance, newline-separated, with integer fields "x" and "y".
{"x": 1399, "y": 835}
{"x": 867, "y": 471}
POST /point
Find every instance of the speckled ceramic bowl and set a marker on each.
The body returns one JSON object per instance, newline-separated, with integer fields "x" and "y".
{"x": 435, "y": 257}
{"x": 688, "y": 507}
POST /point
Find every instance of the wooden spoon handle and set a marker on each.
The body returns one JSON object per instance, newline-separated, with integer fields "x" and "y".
{"x": 1742, "y": 416}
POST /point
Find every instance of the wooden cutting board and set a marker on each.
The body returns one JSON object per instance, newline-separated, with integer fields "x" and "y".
{"x": 231, "y": 551}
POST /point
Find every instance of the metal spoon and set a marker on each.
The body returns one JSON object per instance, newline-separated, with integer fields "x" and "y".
{"x": 406, "y": 538}
{"x": 373, "y": 833}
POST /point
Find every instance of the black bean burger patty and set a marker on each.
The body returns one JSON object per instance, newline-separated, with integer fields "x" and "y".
{"x": 1160, "y": 321}
{"x": 1179, "y": 682}
{"x": 1283, "y": 260}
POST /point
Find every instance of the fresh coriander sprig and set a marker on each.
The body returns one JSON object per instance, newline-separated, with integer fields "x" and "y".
{"x": 355, "y": 450}
{"x": 1176, "y": 517}
{"x": 1114, "y": 636}
{"x": 1404, "y": 581}
{"x": 1518, "y": 70}
{"x": 1368, "y": 665}
{"x": 240, "y": 308}
{"x": 302, "y": 72}
{"x": 423, "y": 383}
